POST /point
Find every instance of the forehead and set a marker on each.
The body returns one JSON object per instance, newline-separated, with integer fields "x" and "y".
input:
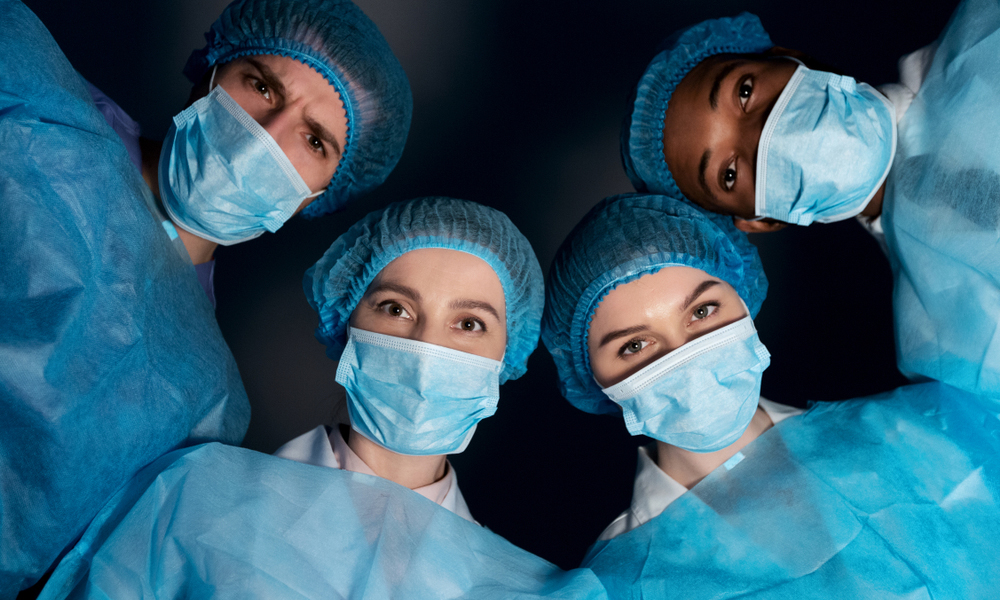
{"x": 652, "y": 296}
{"x": 440, "y": 272}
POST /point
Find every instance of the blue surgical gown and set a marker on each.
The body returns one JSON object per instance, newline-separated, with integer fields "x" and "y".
{"x": 941, "y": 214}
{"x": 110, "y": 355}
{"x": 223, "y": 522}
{"x": 892, "y": 496}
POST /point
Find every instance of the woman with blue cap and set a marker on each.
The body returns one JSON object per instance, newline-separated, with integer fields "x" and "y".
{"x": 298, "y": 105}
{"x": 740, "y": 127}
{"x": 650, "y": 315}
{"x": 764, "y": 134}
{"x": 429, "y": 306}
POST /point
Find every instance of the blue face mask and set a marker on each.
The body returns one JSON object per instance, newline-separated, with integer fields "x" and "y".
{"x": 223, "y": 177}
{"x": 700, "y": 397}
{"x": 416, "y": 398}
{"x": 825, "y": 150}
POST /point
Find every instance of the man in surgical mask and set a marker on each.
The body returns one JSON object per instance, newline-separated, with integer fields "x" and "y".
{"x": 298, "y": 106}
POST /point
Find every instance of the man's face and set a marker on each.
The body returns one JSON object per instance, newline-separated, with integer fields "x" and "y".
{"x": 298, "y": 108}
{"x": 713, "y": 124}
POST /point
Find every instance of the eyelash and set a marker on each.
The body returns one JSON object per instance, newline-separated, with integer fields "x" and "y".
{"x": 256, "y": 83}
{"x": 748, "y": 83}
{"x": 713, "y": 305}
{"x": 386, "y": 305}
{"x": 623, "y": 352}
{"x": 320, "y": 149}
{"x": 477, "y": 322}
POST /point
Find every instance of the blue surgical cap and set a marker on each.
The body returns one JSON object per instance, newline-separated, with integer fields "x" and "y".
{"x": 642, "y": 130}
{"x": 337, "y": 40}
{"x": 336, "y": 283}
{"x": 618, "y": 241}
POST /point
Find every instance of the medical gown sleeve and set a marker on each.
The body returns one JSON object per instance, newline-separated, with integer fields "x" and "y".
{"x": 893, "y": 496}
{"x": 942, "y": 211}
{"x": 110, "y": 355}
{"x": 224, "y": 522}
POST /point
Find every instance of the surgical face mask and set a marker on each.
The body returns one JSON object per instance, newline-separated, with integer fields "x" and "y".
{"x": 416, "y": 398}
{"x": 825, "y": 149}
{"x": 700, "y": 397}
{"x": 223, "y": 177}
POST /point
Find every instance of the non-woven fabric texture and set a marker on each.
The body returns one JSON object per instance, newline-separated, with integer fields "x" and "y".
{"x": 621, "y": 239}
{"x": 341, "y": 43}
{"x": 224, "y": 522}
{"x": 890, "y": 496}
{"x": 110, "y": 355}
{"x": 941, "y": 213}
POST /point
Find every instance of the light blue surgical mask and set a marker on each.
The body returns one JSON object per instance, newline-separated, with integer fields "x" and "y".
{"x": 416, "y": 398}
{"x": 700, "y": 397}
{"x": 223, "y": 177}
{"x": 825, "y": 149}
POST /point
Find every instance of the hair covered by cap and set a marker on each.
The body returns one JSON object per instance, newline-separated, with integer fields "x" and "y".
{"x": 335, "y": 38}
{"x": 642, "y": 129}
{"x": 336, "y": 283}
{"x": 618, "y": 241}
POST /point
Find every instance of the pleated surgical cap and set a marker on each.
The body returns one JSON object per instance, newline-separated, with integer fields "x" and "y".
{"x": 618, "y": 241}
{"x": 337, "y": 40}
{"x": 336, "y": 283}
{"x": 642, "y": 130}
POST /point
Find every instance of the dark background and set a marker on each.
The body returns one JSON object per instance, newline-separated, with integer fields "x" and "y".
{"x": 517, "y": 105}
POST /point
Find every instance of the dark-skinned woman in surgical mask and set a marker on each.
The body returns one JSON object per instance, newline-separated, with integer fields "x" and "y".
{"x": 299, "y": 106}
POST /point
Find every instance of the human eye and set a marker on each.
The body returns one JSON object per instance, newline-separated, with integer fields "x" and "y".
{"x": 471, "y": 325}
{"x": 745, "y": 91}
{"x": 260, "y": 87}
{"x": 316, "y": 144}
{"x": 704, "y": 311}
{"x": 729, "y": 175}
{"x": 632, "y": 347}
{"x": 394, "y": 309}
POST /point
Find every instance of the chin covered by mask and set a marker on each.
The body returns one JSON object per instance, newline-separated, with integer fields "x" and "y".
{"x": 222, "y": 176}
{"x": 825, "y": 149}
{"x": 416, "y": 398}
{"x": 700, "y": 397}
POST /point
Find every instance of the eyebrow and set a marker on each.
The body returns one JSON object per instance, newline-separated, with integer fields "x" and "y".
{"x": 698, "y": 291}
{"x": 388, "y": 286}
{"x": 611, "y": 336}
{"x": 272, "y": 80}
{"x": 323, "y": 133}
{"x": 474, "y": 304}
{"x": 269, "y": 77}
{"x": 713, "y": 95}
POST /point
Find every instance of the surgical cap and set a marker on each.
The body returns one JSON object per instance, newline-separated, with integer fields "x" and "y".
{"x": 642, "y": 130}
{"x": 336, "y": 283}
{"x": 618, "y": 241}
{"x": 337, "y": 40}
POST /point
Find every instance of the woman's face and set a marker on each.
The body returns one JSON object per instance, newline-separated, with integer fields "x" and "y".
{"x": 645, "y": 319}
{"x": 438, "y": 296}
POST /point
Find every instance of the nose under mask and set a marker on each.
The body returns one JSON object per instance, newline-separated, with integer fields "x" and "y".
{"x": 223, "y": 177}
{"x": 825, "y": 149}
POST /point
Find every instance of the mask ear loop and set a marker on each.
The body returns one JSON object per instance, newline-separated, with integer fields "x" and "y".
{"x": 212, "y": 78}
